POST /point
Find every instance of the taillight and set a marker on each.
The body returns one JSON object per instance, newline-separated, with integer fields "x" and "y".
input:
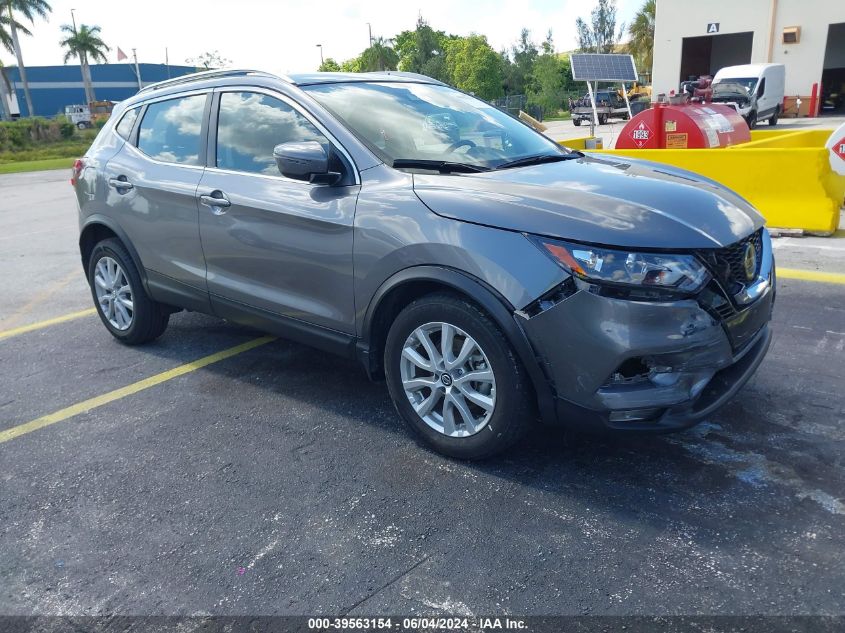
{"x": 78, "y": 166}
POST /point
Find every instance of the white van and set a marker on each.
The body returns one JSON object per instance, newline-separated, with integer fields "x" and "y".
{"x": 754, "y": 90}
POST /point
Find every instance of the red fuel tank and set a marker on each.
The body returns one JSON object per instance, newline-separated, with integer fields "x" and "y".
{"x": 690, "y": 125}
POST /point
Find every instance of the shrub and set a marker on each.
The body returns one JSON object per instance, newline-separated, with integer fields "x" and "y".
{"x": 67, "y": 129}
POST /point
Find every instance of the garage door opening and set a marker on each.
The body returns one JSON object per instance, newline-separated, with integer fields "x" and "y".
{"x": 833, "y": 73}
{"x": 706, "y": 54}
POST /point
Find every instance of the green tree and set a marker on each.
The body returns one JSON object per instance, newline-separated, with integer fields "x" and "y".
{"x": 329, "y": 65}
{"x": 641, "y": 32}
{"x": 519, "y": 64}
{"x": 351, "y": 65}
{"x": 379, "y": 56}
{"x": 29, "y": 9}
{"x": 85, "y": 44}
{"x": 600, "y": 36}
{"x": 423, "y": 51}
{"x": 474, "y": 66}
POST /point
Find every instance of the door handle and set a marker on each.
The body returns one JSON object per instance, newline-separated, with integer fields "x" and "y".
{"x": 117, "y": 183}
{"x": 217, "y": 200}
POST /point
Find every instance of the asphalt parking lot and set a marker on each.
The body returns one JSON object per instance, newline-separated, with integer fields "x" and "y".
{"x": 277, "y": 480}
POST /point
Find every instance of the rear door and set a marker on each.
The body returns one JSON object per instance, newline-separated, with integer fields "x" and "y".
{"x": 152, "y": 186}
{"x": 277, "y": 246}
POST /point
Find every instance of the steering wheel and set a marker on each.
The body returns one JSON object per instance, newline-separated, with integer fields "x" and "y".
{"x": 461, "y": 143}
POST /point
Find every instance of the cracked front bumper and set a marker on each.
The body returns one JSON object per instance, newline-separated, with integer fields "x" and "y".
{"x": 691, "y": 360}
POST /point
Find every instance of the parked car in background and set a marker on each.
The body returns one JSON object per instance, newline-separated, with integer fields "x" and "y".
{"x": 490, "y": 279}
{"x": 609, "y": 105}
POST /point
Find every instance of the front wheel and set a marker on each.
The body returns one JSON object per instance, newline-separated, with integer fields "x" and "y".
{"x": 576, "y": 122}
{"x": 751, "y": 120}
{"x": 122, "y": 303}
{"x": 454, "y": 378}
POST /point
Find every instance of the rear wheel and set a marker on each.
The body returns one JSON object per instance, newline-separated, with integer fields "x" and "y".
{"x": 454, "y": 378}
{"x": 773, "y": 120}
{"x": 576, "y": 122}
{"x": 122, "y": 303}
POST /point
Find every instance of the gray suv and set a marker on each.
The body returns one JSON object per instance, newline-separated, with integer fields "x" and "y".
{"x": 489, "y": 275}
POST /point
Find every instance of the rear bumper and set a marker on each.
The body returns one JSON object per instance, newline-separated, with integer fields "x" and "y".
{"x": 648, "y": 366}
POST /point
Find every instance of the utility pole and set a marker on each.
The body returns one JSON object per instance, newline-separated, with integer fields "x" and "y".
{"x": 370, "y": 28}
{"x": 73, "y": 19}
{"x": 167, "y": 62}
{"x": 137, "y": 69}
{"x": 320, "y": 46}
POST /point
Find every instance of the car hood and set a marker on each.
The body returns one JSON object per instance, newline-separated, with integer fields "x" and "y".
{"x": 601, "y": 199}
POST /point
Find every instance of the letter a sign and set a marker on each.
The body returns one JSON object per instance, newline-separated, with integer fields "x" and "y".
{"x": 712, "y": 27}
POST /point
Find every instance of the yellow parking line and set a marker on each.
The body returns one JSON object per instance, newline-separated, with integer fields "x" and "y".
{"x": 811, "y": 275}
{"x": 128, "y": 390}
{"x": 42, "y": 324}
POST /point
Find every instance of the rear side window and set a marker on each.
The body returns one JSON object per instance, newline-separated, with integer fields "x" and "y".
{"x": 124, "y": 128}
{"x": 170, "y": 130}
{"x": 251, "y": 124}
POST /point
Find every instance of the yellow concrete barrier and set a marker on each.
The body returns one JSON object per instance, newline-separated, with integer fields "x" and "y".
{"x": 785, "y": 175}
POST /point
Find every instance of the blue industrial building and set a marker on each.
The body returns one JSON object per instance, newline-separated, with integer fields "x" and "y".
{"x": 54, "y": 87}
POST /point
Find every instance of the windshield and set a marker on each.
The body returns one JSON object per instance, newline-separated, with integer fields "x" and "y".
{"x": 743, "y": 86}
{"x": 425, "y": 122}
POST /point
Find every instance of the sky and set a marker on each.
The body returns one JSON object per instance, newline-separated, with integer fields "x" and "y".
{"x": 282, "y": 35}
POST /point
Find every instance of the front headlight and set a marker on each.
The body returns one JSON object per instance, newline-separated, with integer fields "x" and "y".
{"x": 683, "y": 273}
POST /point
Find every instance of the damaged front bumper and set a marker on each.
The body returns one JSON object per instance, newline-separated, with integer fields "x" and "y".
{"x": 642, "y": 365}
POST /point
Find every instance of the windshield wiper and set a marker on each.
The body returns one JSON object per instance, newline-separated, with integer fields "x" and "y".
{"x": 443, "y": 166}
{"x": 540, "y": 158}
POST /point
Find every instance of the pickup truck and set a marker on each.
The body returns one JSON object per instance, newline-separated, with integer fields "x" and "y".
{"x": 609, "y": 105}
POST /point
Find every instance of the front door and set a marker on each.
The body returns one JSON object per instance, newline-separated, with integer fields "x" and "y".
{"x": 272, "y": 244}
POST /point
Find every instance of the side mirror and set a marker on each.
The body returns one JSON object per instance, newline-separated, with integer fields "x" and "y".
{"x": 305, "y": 160}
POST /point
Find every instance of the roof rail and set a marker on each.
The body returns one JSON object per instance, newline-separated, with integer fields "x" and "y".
{"x": 405, "y": 75}
{"x": 207, "y": 74}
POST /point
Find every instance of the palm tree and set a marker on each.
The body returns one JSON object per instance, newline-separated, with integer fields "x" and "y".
{"x": 641, "y": 31}
{"x": 379, "y": 56}
{"x": 84, "y": 43}
{"x": 29, "y": 9}
{"x": 6, "y": 42}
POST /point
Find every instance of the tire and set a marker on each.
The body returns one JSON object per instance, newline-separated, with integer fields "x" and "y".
{"x": 576, "y": 122}
{"x": 602, "y": 119}
{"x": 81, "y": 125}
{"x": 507, "y": 414}
{"x": 147, "y": 319}
{"x": 773, "y": 120}
{"x": 751, "y": 120}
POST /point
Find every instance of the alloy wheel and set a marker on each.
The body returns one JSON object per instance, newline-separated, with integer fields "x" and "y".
{"x": 114, "y": 294}
{"x": 448, "y": 379}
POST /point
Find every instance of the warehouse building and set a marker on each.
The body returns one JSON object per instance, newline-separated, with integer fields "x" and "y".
{"x": 54, "y": 87}
{"x": 807, "y": 36}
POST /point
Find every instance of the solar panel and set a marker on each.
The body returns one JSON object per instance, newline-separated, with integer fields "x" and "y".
{"x": 607, "y": 67}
